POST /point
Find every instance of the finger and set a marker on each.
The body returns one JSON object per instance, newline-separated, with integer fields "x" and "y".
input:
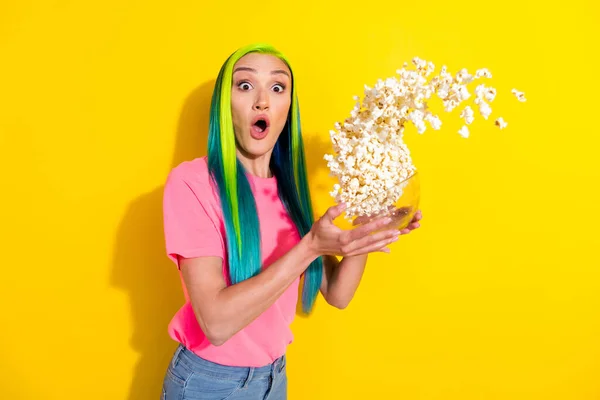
{"x": 374, "y": 247}
{"x": 416, "y": 218}
{"x": 366, "y": 229}
{"x": 370, "y": 239}
{"x": 410, "y": 227}
{"x": 335, "y": 211}
{"x": 384, "y": 249}
{"x": 414, "y": 225}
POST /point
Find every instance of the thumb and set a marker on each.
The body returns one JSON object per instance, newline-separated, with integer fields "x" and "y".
{"x": 335, "y": 211}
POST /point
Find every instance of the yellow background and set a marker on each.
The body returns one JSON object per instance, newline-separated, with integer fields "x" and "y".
{"x": 497, "y": 296}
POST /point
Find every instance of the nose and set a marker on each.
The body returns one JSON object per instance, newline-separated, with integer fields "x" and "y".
{"x": 261, "y": 102}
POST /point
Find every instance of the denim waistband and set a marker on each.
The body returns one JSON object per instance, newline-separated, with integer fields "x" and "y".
{"x": 226, "y": 372}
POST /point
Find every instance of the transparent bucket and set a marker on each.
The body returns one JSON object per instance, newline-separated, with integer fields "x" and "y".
{"x": 401, "y": 211}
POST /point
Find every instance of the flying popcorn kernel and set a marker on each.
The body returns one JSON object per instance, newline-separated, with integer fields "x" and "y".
{"x": 483, "y": 73}
{"x": 463, "y": 76}
{"x": 484, "y": 108}
{"x": 519, "y": 95}
{"x": 500, "y": 123}
{"x": 371, "y": 161}
{"x": 468, "y": 115}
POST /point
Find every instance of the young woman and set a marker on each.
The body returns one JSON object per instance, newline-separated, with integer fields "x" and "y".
{"x": 239, "y": 226}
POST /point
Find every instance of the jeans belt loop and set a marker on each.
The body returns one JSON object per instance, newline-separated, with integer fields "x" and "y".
{"x": 249, "y": 377}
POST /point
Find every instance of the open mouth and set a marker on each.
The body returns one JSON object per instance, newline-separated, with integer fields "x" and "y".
{"x": 260, "y": 126}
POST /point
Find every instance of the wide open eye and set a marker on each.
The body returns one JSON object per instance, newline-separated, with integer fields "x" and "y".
{"x": 278, "y": 88}
{"x": 244, "y": 86}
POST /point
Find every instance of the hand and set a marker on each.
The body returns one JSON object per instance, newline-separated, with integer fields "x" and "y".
{"x": 414, "y": 223}
{"x": 327, "y": 239}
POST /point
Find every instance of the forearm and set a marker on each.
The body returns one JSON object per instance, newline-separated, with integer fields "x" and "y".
{"x": 236, "y": 306}
{"x": 343, "y": 280}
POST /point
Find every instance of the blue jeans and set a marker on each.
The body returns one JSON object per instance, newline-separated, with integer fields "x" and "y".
{"x": 189, "y": 377}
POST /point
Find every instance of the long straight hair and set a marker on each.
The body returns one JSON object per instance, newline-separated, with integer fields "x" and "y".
{"x": 239, "y": 208}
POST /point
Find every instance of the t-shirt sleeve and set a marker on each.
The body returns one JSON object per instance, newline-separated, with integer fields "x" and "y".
{"x": 188, "y": 228}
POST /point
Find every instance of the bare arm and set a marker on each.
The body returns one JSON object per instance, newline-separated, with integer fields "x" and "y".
{"x": 223, "y": 311}
{"x": 341, "y": 279}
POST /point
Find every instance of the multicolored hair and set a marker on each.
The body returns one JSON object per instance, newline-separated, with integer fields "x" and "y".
{"x": 287, "y": 164}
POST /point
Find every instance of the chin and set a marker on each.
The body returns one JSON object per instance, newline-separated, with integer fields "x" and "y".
{"x": 256, "y": 149}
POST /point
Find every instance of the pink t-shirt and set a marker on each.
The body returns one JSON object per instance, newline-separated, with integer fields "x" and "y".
{"x": 194, "y": 227}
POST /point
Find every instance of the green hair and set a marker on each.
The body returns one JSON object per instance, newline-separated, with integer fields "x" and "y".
{"x": 287, "y": 163}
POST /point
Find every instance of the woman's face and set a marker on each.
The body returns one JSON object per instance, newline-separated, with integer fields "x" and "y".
{"x": 260, "y": 102}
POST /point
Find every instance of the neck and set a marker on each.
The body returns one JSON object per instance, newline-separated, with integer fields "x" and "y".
{"x": 256, "y": 165}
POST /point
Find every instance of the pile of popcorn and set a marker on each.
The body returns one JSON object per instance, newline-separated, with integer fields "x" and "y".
{"x": 371, "y": 162}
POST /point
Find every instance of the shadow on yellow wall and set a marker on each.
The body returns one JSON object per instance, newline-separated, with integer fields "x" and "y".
{"x": 141, "y": 267}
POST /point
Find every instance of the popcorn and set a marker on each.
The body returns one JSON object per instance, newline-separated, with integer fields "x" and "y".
{"x": 371, "y": 161}
{"x": 500, "y": 123}
{"x": 483, "y": 73}
{"x": 463, "y": 76}
{"x": 434, "y": 120}
{"x": 519, "y": 95}
{"x": 484, "y": 108}
{"x": 468, "y": 115}
{"x": 486, "y": 93}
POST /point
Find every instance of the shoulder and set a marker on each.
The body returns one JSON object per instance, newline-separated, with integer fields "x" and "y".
{"x": 190, "y": 182}
{"x": 190, "y": 178}
{"x": 194, "y": 173}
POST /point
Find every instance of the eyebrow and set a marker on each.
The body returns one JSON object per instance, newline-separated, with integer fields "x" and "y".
{"x": 274, "y": 72}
